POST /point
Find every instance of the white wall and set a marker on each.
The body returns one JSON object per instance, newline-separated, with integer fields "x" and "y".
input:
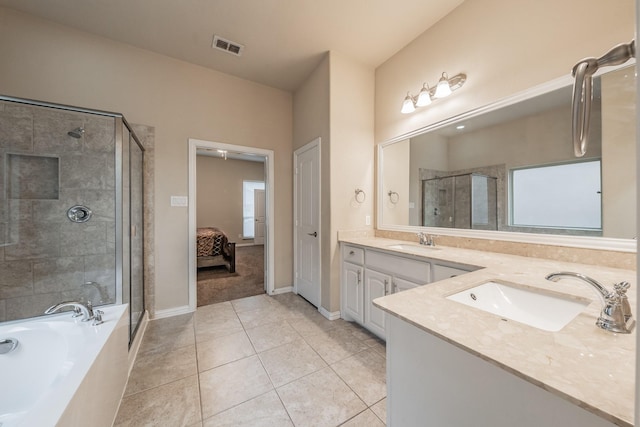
{"x": 46, "y": 61}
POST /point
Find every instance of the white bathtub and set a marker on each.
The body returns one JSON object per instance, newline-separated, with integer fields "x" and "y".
{"x": 64, "y": 372}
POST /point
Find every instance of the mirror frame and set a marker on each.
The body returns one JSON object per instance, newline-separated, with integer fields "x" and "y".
{"x": 588, "y": 242}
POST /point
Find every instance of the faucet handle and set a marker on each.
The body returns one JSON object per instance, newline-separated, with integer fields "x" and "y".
{"x": 621, "y": 288}
{"x": 97, "y": 317}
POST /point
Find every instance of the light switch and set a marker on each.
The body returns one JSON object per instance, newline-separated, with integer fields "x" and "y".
{"x": 180, "y": 201}
{"x": 367, "y": 220}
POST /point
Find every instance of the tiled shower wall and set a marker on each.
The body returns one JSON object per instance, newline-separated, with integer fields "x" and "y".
{"x": 44, "y": 257}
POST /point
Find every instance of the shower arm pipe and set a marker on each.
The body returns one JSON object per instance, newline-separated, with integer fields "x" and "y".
{"x": 583, "y": 72}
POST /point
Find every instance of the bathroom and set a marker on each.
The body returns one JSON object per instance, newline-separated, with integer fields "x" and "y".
{"x": 149, "y": 89}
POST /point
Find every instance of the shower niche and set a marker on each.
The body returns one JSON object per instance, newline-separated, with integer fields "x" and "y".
{"x": 466, "y": 201}
{"x": 71, "y": 209}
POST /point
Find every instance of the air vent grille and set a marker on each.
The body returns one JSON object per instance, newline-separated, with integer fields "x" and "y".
{"x": 227, "y": 46}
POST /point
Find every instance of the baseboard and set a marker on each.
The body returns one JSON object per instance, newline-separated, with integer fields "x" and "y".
{"x": 335, "y": 315}
{"x": 170, "y": 312}
{"x": 284, "y": 290}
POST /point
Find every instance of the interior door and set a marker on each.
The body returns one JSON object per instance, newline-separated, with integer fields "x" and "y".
{"x": 259, "y": 213}
{"x": 307, "y": 222}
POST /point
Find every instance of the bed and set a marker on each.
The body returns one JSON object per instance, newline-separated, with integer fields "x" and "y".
{"x": 214, "y": 249}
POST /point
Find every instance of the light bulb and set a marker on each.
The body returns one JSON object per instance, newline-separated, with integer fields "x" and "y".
{"x": 443, "y": 89}
{"x": 407, "y": 105}
{"x": 424, "y": 98}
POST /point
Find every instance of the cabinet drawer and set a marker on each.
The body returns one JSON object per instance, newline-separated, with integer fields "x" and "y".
{"x": 353, "y": 254}
{"x": 416, "y": 271}
{"x": 441, "y": 272}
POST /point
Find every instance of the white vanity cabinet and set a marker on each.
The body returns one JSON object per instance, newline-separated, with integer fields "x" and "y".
{"x": 368, "y": 274}
{"x": 353, "y": 283}
{"x": 442, "y": 271}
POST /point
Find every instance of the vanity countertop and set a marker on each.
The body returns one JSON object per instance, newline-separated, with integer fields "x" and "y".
{"x": 582, "y": 363}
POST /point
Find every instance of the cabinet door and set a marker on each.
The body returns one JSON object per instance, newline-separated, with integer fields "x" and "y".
{"x": 399, "y": 285}
{"x": 375, "y": 285}
{"x": 353, "y": 291}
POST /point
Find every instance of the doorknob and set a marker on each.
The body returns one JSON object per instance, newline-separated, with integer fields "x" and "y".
{"x": 314, "y": 234}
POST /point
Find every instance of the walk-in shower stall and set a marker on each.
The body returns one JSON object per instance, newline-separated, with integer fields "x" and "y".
{"x": 71, "y": 209}
{"x": 460, "y": 201}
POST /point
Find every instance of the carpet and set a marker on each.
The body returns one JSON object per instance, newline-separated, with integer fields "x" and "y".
{"x": 216, "y": 284}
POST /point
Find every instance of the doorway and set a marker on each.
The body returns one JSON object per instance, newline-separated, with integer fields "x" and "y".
{"x": 204, "y": 153}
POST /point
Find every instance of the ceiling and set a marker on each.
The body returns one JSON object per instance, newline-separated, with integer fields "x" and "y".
{"x": 284, "y": 39}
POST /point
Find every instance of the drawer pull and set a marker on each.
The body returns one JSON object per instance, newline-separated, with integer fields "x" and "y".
{"x": 352, "y": 253}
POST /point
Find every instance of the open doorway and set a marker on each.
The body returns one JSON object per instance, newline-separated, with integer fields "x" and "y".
{"x": 230, "y": 219}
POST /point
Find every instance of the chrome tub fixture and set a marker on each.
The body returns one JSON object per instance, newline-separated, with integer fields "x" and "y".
{"x": 80, "y": 309}
{"x": 616, "y": 311}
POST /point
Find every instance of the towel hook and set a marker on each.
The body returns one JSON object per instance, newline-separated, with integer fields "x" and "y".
{"x": 394, "y": 197}
{"x": 360, "y": 195}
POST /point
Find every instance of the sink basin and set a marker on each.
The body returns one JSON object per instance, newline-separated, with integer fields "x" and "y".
{"x": 546, "y": 311}
{"x": 414, "y": 247}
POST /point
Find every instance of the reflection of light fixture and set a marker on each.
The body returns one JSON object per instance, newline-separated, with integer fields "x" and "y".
{"x": 427, "y": 94}
{"x": 223, "y": 153}
{"x": 460, "y": 127}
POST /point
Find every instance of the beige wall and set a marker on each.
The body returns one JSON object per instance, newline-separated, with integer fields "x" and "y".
{"x": 619, "y": 150}
{"x": 351, "y": 117}
{"x": 219, "y": 193}
{"x": 503, "y": 47}
{"x": 45, "y": 61}
{"x": 336, "y": 104}
{"x": 427, "y": 152}
{"x": 397, "y": 169}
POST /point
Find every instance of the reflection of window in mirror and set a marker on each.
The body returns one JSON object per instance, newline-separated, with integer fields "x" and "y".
{"x": 557, "y": 196}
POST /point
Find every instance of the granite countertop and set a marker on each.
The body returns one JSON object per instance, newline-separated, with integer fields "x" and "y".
{"x": 581, "y": 363}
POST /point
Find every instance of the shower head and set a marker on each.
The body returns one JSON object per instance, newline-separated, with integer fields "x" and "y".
{"x": 76, "y": 133}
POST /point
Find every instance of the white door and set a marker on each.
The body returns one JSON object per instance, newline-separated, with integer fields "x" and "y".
{"x": 259, "y": 213}
{"x": 307, "y": 222}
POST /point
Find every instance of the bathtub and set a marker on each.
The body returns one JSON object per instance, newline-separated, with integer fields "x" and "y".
{"x": 64, "y": 372}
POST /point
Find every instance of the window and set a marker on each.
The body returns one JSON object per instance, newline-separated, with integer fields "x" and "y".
{"x": 248, "y": 221}
{"x": 565, "y": 196}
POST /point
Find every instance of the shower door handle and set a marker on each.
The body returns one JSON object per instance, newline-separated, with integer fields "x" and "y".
{"x": 314, "y": 234}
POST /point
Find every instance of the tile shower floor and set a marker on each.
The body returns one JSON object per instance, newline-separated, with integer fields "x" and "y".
{"x": 256, "y": 361}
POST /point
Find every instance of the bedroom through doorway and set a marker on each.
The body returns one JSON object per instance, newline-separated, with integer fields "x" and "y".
{"x": 229, "y": 222}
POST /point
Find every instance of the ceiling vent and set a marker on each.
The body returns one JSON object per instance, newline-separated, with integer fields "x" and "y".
{"x": 227, "y": 46}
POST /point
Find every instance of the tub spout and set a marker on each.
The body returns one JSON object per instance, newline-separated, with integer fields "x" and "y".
{"x": 85, "y": 309}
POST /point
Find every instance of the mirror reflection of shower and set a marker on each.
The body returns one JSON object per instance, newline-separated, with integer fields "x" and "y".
{"x": 77, "y": 133}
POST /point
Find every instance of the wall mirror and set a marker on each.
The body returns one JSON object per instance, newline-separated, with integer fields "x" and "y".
{"x": 508, "y": 171}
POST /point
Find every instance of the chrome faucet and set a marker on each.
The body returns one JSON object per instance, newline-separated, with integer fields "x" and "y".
{"x": 616, "y": 311}
{"x": 80, "y": 308}
{"x": 426, "y": 239}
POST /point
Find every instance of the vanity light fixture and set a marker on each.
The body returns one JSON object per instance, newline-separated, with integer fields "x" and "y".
{"x": 444, "y": 88}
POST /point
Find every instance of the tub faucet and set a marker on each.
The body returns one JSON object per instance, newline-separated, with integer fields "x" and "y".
{"x": 616, "y": 311}
{"x": 86, "y": 310}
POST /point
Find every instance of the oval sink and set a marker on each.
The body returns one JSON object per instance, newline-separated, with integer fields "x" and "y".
{"x": 414, "y": 247}
{"x": 546, "y": 311}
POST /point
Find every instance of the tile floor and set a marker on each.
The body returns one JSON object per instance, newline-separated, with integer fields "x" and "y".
{"x": 256, "y": 361}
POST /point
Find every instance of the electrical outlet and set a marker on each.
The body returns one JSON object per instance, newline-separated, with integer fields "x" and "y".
{"x": 367, "y": 220}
